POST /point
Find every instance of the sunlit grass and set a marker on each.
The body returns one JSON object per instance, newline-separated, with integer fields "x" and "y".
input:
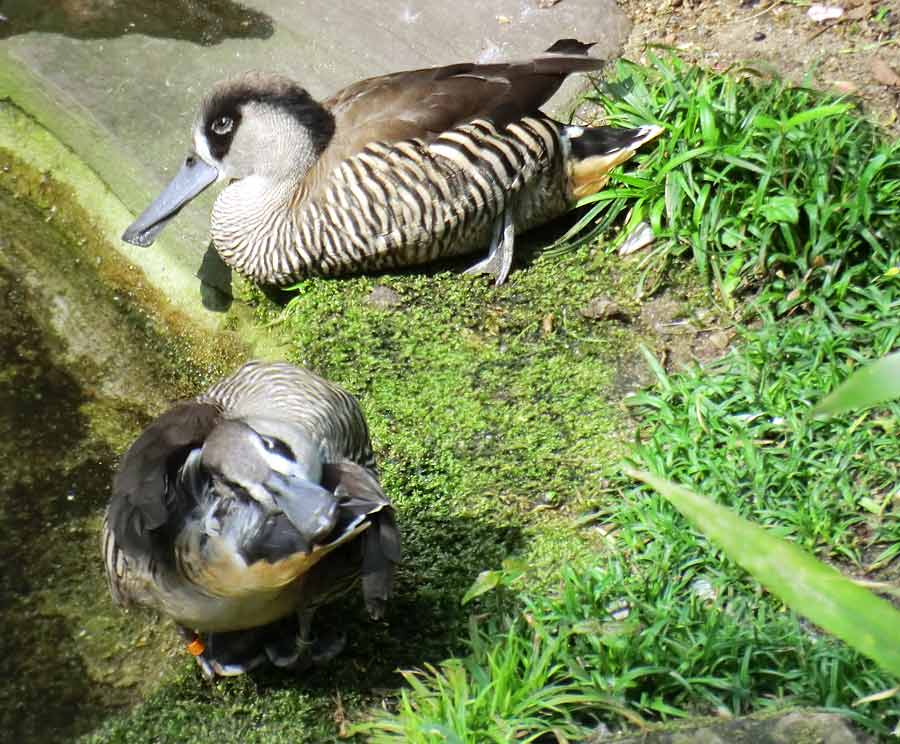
{"x": 791, "y": 200}
{"x": 764, "y": 186}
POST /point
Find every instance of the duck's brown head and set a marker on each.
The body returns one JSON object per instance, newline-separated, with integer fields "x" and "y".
{"x": 256, "y": 124}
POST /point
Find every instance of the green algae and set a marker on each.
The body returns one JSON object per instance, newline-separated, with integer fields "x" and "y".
{"x": 94, "y": 210}
{"x": 88, "y": 356}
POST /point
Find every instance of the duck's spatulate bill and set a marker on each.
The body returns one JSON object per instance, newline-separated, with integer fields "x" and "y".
{"x": 192, "y": 178}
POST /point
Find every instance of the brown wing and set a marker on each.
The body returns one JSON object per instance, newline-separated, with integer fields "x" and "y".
{"x": 142, "y": 485}
{"x": 424, "y": 103}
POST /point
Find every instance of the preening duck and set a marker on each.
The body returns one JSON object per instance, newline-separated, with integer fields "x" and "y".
{"x": 245, "y": 508}
{"x": 392, "y": 171}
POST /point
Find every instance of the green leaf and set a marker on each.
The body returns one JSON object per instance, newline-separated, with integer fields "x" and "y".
{"x": 679, "y": 160}
{"x": 781, "y": 209}
{"x": 869, "y": 386}
{"x": 820, "y": 112}
{"x": 484, "y": 582}
{"x": 766, "y": 122}
{"x": 808, "y": 586}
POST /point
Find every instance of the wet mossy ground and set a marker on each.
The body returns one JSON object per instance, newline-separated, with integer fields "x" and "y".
{"x": 496, "y": 414}
{"x": 88, "y": 358}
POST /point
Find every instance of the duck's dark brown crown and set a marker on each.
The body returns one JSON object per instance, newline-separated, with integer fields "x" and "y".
{"x": 230, "y": 96}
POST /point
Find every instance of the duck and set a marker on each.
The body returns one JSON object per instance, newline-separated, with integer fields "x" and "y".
{"x": 393, "y": 171}
{"x": 240, "y": 512}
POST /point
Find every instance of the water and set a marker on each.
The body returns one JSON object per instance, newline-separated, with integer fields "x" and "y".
{"x": 68, "y": 657}
{"x": 204, "y": 22}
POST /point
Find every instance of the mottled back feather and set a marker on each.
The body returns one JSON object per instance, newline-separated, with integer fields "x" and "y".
{"x": 425, "y": 103}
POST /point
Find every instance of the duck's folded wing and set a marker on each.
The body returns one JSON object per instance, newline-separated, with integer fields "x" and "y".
{"x": 361, "y": 496}
{"x": 424, "y": 103}
{"x": 143, "y": 487}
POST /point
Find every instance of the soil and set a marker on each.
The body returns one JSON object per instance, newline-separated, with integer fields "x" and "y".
{"x": 857, "y": 54}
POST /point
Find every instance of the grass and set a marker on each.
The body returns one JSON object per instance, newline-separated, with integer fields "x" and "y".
{"x": 762, "y": 185}
{"x": 496, "y": 417}
{"x": 791, "y": 201}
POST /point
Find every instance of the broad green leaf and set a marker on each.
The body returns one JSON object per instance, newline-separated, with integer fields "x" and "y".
{"x": 708, "y": 129}
{"x": 869, "y": 386}
{"x": 484, "y": 582}
{"x": 781, "y": 209}
{"x": 679, "y": 160}
{"x": 766, "y": 122}
{"x": 819, "y": 592}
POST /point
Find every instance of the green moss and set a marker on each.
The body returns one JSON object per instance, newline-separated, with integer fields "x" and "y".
{"x": 494, "y": 423}
{"x": 489, "y": 409}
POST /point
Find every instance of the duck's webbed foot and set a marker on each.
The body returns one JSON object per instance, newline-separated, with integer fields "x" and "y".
{"x": 226, "y": 654}
{"x": 299, "y": 650}
{"x": 500, "y": 254}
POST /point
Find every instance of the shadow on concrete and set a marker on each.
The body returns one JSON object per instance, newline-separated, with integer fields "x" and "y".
{"x": 204, "y": 22}
{"x": 46, "y": 693}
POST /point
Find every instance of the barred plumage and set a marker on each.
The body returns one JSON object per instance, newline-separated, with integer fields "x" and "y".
{"x": 327, "y": 412}
{"x": 414, "y": 202}
{"x": 393, "y": 171}
{"x": 256, "y": 500}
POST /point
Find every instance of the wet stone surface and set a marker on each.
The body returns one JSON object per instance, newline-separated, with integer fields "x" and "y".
{"x": 43, "y": 531}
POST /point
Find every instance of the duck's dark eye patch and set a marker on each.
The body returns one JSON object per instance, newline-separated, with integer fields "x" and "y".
{"x": 221, "y": 125}
{"x": 277, "y": 447}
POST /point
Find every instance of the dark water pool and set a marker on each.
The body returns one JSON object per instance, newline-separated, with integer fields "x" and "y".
{"x": 205, "y": 22}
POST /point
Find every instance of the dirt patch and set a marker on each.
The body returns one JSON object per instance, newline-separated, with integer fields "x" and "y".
{"x": 849, "y": 55}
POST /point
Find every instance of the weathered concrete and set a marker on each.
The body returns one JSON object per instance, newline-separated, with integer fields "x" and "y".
{"x": 123, "y": 101}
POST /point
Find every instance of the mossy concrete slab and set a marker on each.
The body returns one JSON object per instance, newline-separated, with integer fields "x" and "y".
{"x": 117, "y": 82}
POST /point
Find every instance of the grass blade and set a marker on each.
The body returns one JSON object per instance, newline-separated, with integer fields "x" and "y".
{"x": 817, "y": 591}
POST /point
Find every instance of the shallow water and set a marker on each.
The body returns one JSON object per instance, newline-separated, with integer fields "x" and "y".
{"x": 61, "y": 666}
{"x": 204, "y": 22}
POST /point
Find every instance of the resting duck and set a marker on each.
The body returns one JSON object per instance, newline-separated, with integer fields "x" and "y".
{"x": 254, "y": 503}
{"x": 392, "y": 171}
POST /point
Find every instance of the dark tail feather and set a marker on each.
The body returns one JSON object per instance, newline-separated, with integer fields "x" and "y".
{"x": 360, "y": 493}
{"x": 596, "y": 151}
{"x": 570, "y": 46}
{"x": 381, "y": 553}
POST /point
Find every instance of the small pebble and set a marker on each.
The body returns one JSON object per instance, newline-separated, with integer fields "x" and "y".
{"x": 703, "y": 589}
{"x": 720, "y": 340}
{"x": 383, "y": 298}
{"x": 601, "y": 308}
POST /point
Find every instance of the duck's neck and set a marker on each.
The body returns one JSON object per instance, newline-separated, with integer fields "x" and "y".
{"x": 251, "y": 224}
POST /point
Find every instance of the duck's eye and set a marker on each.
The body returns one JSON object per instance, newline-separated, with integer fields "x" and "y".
{"x": 222, "y": 125}
{"x": 277, "y": 447}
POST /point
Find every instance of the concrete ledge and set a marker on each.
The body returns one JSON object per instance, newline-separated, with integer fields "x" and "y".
{"x": 165, "y": 267}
